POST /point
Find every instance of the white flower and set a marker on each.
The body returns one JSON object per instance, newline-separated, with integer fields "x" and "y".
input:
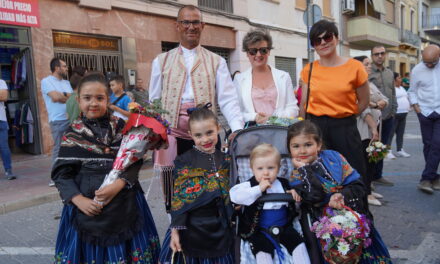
{"x": 326, "y": 236}
{"x": 339, "y": 219}
{"x": 370, "y": 149}
{"x": 343, "y": 248}
{"x": 378, "y": 144}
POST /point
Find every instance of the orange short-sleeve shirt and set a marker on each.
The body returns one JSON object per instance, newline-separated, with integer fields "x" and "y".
{"x": 333, "y": 89}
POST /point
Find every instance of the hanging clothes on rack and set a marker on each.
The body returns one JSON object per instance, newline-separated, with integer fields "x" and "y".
{"x": 23, "y": 125}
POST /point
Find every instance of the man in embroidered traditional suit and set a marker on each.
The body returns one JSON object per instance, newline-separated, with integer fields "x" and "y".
{"x": 185, "y": 77}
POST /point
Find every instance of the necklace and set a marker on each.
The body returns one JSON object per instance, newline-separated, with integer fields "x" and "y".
{"x": 211, "y": 157}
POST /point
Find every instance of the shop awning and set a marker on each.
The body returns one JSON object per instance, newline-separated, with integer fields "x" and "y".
{"x": 379, "y": 6}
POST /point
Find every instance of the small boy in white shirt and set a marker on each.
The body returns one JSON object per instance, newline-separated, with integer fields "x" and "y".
{"x": 266, "y": 226}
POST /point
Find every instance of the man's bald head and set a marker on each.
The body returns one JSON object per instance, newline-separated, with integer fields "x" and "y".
{"x": 430, "y": 55}
{"x": 188, "y": 7}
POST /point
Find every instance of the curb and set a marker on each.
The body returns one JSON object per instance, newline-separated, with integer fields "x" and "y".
{"x": 53, "y": 196}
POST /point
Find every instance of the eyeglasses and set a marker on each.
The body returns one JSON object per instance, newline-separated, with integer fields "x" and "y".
{"x": 431, "y": 64}
{"x": 377, "y": 54}
{"x": 318, "y": 40}
{"x": 254, "y": 51}
{"x": 188, "y": 23}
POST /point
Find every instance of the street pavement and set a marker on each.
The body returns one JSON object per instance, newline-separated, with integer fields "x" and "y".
{"x": 409, "y": 221}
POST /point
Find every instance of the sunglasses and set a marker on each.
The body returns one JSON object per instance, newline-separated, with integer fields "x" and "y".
{"x": 318, "y": 40}
{"x": 377, "y": 54}
{"x": 254, "y": 51}
{"x": 188, "y": 23}
{"x": 431, "y": 64}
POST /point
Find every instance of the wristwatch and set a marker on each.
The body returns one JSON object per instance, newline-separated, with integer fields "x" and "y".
{"x": 65, "y": 94}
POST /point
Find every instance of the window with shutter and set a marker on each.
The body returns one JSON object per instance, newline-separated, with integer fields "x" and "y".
{"x": 327, "y": 8}
{"x": 301, "y": 4}
{"x": 389, "y": 16}
{"x": 288, "y": 65}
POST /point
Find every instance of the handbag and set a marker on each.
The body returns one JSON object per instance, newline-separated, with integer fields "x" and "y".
{"x": 306, "y": 115}
{"x": 174, "y": 254}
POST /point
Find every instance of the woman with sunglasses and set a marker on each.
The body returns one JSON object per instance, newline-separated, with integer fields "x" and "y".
{"x": 263, "y": 91}
{"x": 338, "y": 91}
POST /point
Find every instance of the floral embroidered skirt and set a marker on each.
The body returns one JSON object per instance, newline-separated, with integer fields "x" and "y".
{"x": 377, "y": 252}
{"x": 167, "y": 252}
{"x": 143, "y": 248}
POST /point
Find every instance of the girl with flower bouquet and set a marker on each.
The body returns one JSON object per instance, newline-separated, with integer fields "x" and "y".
{"x": 324, "y": 177}
{"x": 200, "y": 230}
{"x": 108, "y": 225}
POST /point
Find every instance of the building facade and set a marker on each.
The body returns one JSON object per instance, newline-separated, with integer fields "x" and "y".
{"x": 124, "y": 36}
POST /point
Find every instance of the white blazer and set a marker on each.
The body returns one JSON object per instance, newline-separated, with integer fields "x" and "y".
{"x": 286, "y": 105}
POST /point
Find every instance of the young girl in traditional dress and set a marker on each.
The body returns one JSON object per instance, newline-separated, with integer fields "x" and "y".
{"x": 267, "y": 226}
{"x": 200, "y": 228}
{"x": 324, "y": 177}
{"x": 116, "y": 227}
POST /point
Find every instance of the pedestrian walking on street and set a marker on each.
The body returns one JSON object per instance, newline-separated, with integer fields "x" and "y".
{"x": 56, "y": 91}
{"x": 337, "y": 90}
{"x": 4, "y": 138}
{"x": 403, "y": 107}
{"x": 72, "y": 107}
{"x": 368, "y": 124}
{"x": 424, "y": 95}
{"x": 383, "y": 78}
{"x": 116, "y": 226}
{"x": 119, "y": 100}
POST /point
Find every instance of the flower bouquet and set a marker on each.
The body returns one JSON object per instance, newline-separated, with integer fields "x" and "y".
{"x": 342, "y": 234}
{"x": 377, "y": 151}
{"x": 282, "y": 121}
{"x": 145, "y": 130}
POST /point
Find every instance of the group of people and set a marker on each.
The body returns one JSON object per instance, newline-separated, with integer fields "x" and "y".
{"x": 340, "y": 96}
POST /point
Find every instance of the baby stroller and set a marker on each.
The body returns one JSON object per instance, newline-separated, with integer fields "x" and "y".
{"x": 240, "y": 149}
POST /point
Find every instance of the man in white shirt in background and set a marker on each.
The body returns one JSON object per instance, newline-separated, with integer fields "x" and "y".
{"x": 424, "y": 95}
{"x": 185, "y": 77}
{"x": 56, "y": 90}
{"x": 5, "y": 152}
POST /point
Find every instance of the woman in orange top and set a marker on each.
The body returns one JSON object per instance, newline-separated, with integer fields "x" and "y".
{"x": 338, "y": 92}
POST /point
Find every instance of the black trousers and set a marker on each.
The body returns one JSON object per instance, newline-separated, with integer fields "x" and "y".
{"x": 342, "y": 135}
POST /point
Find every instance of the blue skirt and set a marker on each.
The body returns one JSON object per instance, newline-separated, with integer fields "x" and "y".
{"x": 377, "y": 252}
{"x": 166, "y": 254}
{"x": 143, "y": 248}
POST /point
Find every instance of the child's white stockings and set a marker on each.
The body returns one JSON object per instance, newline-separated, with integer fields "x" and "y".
{"x": 263, "y": 258}
{"x": 300, "y": 255}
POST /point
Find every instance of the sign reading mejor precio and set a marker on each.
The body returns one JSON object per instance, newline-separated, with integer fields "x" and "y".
{"x": 20, "y": 13}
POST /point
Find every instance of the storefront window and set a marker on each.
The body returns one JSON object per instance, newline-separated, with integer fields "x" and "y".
{"x": 14, "y": 35}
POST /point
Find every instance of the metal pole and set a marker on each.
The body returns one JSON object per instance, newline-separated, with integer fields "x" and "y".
{"x": 310, "y": 50}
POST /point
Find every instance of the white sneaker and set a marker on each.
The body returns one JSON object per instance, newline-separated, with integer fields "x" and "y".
{"x": 373, "y": 201}
{"x": 377, "y": 195}
{"x": 402, "y": 154}
{"x": 390, "y": 156}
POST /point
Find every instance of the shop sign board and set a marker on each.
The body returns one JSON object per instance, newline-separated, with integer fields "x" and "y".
{"x": 80, "y": 41}
{"x": 20, "y": 13}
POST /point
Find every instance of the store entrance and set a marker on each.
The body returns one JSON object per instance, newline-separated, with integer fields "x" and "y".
{"x": 16, "y": 69}
{"x": 108, "y": 64}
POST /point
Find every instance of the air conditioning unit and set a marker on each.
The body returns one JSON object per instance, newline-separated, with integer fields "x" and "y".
{"x": 348, "y": 7}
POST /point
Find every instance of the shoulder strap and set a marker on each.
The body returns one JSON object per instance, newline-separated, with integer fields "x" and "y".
{"x": 308, "y": 91}
{"x": 119, "y": 98}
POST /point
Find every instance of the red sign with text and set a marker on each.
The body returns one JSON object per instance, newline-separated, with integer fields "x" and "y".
{"x": 20, "y": 13}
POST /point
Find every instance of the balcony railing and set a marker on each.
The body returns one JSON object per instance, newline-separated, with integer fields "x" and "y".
{"x": 431, "y": 22}
{"x": 406, "y": 36}
{"x": 221, "y": 5}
